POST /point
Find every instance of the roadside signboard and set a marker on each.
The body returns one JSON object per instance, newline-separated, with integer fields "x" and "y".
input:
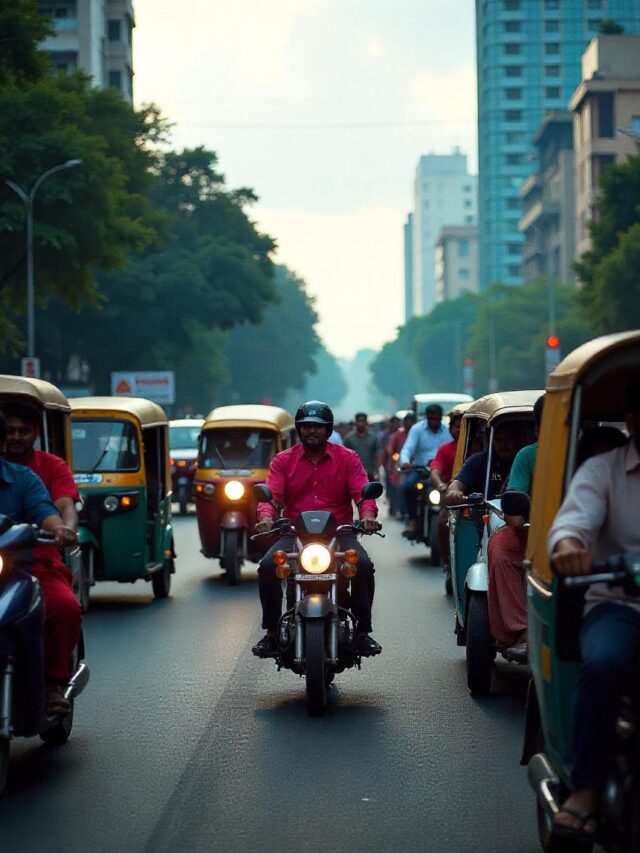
{"x": 156, "y": 385}
{"x": 30, "y": 367}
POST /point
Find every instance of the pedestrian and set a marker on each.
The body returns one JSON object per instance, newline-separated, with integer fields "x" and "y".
{"x": 366, "y": 444}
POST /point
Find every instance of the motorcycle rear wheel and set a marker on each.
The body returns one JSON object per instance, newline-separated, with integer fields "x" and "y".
{"x": 315, "y": 667}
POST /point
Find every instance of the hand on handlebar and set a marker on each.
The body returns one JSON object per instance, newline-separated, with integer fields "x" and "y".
{"x": 406, "y": 466}
{"x": 455, "y": 497}
{"x": 264, "y": 525}
{"x": 571, "y": 558}
{"x": 65, "y": 537}
{"x": 369, "y": 523}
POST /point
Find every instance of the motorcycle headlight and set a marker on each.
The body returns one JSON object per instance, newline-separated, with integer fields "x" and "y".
{"x": 434, "y": 497}
{"x": 234, "y": 490}
{"x": 1, "y": 565}
{"x": 315, "y": 559}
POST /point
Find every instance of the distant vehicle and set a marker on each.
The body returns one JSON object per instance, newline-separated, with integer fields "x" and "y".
{"x": 446, "y": 400}
{"x": 183, "y": 446}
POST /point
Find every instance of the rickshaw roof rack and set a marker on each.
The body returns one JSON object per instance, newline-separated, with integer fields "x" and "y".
{"x": 148, "y": 413}
{"x": 37, "y": 391}
{"x": 238, "y": 415}
{"x": 500, "y": 403}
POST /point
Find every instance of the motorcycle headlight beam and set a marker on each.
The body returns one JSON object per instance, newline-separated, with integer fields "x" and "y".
{"x": 435, "y": 497}
{"x": 234, "y": 490}
{"x": 315, "y": 559}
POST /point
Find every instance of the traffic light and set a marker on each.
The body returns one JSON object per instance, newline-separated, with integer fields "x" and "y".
{"x": 553, "y": 342}
{"x": 552, "y": 353}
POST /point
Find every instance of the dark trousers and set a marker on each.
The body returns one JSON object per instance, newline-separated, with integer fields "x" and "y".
{"x": 610, "y": 642}
{"x": 411, "y": 493}
{"x": 362, "y": 586}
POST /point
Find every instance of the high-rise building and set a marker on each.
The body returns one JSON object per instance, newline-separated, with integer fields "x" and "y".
{"x": 528, "y": 63}
{"x": 445, "y": 194}
{"x": 456, "y": 261}
{"x": 606, "y": 119}
{"x": 95, "y": 35}
{"x": 408, "y": 267}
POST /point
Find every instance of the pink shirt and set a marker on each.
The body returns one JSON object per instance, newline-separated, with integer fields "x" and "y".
{"x": 444, "y": 459}
{"x": 298, "y": 484}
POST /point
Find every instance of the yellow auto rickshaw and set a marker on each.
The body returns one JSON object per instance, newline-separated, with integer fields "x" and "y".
{"x": 586, "y": 390}
{"x": 237, "y": 445}
{"x": 121, "y": 466}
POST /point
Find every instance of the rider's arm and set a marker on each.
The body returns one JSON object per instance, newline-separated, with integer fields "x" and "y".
{"x": 436, "y": 479}
{"x": 456, "y": 492}
{"x": 68, "y": 512}
{"x": 410, "y": 446}
{"x": 276, "y": 481}
{"x": 39, "y": 509}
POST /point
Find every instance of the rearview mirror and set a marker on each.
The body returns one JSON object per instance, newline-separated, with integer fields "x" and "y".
{"x": 262, "y": 492}
{"x": 515, "y": 503}
{"x": 371, "y": 491}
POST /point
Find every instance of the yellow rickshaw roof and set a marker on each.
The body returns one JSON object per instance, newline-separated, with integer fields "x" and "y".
{"x": 492, "y": 406}
{"x": 149, "y": 414}
{"x": 37, "y": 391}
{"x": 269, "y": 416}
{"x": 566, "y": 374}
{"x": 459, "y": 409}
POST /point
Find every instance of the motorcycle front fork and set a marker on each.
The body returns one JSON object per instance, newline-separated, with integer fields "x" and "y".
{"x": 6, "y": 698}
{"x": 333, "y": 629}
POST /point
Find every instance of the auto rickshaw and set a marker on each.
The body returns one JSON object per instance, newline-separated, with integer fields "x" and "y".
{"x": 121, "y": 466}
{"x": 237, "y": 444}
{"x": 471, "y": 524}
{"x": 587, "y": 388}
{"x": 447, "y": 401}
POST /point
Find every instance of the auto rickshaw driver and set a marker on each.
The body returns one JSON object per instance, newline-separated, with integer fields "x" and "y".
{"x": 597, "y": 519}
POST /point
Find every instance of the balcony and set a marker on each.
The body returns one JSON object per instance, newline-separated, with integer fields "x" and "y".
{"x": 546, "y": 208}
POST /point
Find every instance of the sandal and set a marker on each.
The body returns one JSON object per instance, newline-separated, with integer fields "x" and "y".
{"x": 573, "y": 832}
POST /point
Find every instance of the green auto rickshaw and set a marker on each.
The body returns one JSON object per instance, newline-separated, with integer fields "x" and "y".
{"x": 121, "y": 466}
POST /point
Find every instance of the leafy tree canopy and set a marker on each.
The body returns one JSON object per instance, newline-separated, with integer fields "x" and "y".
{"x": 22, "y": 28}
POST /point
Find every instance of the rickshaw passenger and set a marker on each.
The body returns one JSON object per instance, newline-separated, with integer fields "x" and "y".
{"x": 473, "y": 474}
{"x": 27, "y": 499}
{"x": 506, "y": 599}
{"x": 598, "y": 518}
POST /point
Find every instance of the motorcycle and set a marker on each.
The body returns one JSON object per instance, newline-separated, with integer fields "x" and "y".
{"x": 22, "y": 680}
{"x": 317, "y": 637}
{"x": 429, "y": 507}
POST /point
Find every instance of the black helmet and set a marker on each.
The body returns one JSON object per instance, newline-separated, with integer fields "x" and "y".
{"x": 314, "y": 412}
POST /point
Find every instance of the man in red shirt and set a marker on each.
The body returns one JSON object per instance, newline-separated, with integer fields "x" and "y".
{"x": 316, "y": 474}
{"x": 63, "y": 615}
{"x": 441, "y": 473}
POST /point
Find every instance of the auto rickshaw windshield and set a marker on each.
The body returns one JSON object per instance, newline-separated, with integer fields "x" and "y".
{"x": 181, "y": 437}
{"x": 238, "y": 447}
{"x": 104, "y": 445}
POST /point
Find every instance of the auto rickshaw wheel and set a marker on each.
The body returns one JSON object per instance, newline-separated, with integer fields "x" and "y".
{"x": 479, "y": 645}
{"x": 161, "y": 579}
{"x": 551, "y": 843}
{"x": 232, "y": 556}
{"x": 5, "y": 745}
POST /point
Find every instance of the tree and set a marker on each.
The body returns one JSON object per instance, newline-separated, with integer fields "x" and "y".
{"x": 394, "y": 370}
{"x": 439, "y": 343}
{"x": 614, "y": 297}
{"x": 22, "y": 28}
{"x": 610, "y": 27}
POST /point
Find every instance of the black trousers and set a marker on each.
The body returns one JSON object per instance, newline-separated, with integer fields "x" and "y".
{"x": 362, "y": 586}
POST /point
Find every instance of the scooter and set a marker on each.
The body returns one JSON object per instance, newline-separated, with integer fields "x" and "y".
{"x": 22, "y": 680}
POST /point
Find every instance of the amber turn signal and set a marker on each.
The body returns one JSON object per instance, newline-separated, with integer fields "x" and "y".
{"x": 283, "y": 571}
{"x": 349, "y": 570}
{"x": 280, "y": 558}
{"x": 485, "y": 519}
{"x": 351, "y": 556}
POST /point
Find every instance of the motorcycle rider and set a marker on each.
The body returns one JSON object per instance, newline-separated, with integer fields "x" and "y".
{"x": 441, "y": 473}
{"x": 316, "y": 474}
{"x": 421, "y": 446}
{"x": 24, "y": 498}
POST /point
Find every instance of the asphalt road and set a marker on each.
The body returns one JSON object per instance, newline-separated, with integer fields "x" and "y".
{"x": 184, "y": 741}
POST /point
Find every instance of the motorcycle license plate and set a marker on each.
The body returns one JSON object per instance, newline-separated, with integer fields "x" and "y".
{"x": 306, "y": 578}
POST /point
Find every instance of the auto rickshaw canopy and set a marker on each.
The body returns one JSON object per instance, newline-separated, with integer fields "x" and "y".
{"x": 269, "y": 417}
{"x": 494, "y": 406}
{"x": 147, "y": 413}
{"x": 36, "y": 392}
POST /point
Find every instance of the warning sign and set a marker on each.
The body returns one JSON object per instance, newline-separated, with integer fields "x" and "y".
{"x": 158, "y": 386}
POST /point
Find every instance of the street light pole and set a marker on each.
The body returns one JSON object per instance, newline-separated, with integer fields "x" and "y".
{"x": 28, "y": 198}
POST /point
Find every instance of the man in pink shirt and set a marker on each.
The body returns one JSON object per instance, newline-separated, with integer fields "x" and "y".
{"x": 318, "y": 475}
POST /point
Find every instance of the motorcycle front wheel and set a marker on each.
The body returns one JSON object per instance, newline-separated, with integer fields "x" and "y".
{"x": 314, "y": 667}
{"x": 5, "y": 745}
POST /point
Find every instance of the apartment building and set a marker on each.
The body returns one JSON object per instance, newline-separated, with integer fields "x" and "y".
{"x": 95, "y": 35}
{"x": 408, "y": 267}
{"x": 528, "y": 64}
{"x": 456, "y": 261}
{"x": 444, "y": 194}
{"x": 606, "y": 119}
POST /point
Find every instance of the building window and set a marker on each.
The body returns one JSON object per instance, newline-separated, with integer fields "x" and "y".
{"x": 513, "y": 160}
{"x": 512, "y": 49}
{"x": 551, "y": 4}
{"x": 593, "y": 25}
{"x": 513, "y": 138}
{"x": 467, "y": 188}
{"x": 512, "y": 70}
{"x": 511, "y": 5}
{"x": 552, "y": 26}
{"x": 463, "y": 248}
{"x": 513, "y": 94}
{"x": 468, "y": 219}
{"x": 64, "y": 60}
{"x": 635, "y": 124}
{"x": 552, "y": 48}
{"x": 115, "y": 79}
{"x": 512, "y": 26}
{"x": 513, "y": 115}
{"x": 114, "y": 30}
{"x": 552, "y": 92}
{"x": 468, "y": 203}
{"x": 514, "y": 249}
{"x": 513, "y": 270}
{"x": 605, "y": 115}
{"x": 513, "y": 204}
{"x": 551, "y": 70}
{"x": 594, "y": 4}
{"x": 598, "y": 165}
{"x": 463, "y": 272}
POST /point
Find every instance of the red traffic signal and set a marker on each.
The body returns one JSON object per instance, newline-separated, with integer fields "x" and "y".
{"x": 553, "y": 342}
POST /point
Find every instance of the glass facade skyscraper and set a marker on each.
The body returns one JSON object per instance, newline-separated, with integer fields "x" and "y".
{"x": 528, "y": 63}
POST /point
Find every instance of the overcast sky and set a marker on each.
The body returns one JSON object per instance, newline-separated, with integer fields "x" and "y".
{"x": 323, "y": 108}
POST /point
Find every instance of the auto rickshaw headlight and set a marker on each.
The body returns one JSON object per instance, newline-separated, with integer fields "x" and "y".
{"x": 315, "y": 559}
{"x": 111, "y": 503}
{"x": 234, "y": 490}
{"x": 209, "y": 489}
{"x": 434, "y": 497}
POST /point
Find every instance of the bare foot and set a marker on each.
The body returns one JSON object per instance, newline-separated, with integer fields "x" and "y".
{"x": 579, "y": 811}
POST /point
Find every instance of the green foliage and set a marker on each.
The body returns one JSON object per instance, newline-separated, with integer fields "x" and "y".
{"x": 394, "y": 370}
{"x": 22, "y": 28}
{"x": 439, "y": 343}
{"x": 607, "y": 303}
{"x": 610, "y": 27}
